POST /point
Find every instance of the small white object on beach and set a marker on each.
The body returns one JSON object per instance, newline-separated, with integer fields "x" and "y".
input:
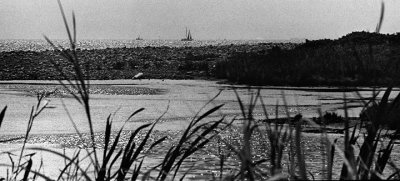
{"x": 138, "y": 76}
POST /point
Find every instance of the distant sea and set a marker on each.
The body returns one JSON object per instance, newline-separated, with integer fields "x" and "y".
{"x": 42, "y": 45}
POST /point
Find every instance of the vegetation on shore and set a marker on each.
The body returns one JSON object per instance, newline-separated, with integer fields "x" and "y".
{"x": 357, "y": 59}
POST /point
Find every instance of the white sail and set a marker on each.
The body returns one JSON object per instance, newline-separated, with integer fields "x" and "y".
{"x": 188, "y": 36}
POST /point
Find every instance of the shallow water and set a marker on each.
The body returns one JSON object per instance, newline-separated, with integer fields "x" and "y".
{"x": 182, "y": 98}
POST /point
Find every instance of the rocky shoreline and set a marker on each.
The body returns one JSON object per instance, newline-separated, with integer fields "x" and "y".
{"x": 124, "y": 63}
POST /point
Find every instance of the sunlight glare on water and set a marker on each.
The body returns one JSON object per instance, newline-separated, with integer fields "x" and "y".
{"x": 41, "y": 45}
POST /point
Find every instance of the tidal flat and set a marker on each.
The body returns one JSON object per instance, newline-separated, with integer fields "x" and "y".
{"x": 179, "y": 99}
{"x": 183, "y": 98}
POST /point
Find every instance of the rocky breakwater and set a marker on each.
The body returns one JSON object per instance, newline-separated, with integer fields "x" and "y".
{"x": 124, "y": 63}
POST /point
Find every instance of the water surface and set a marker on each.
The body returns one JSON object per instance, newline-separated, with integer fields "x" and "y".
{"x": 41, "y": 45}
{"x": 180, "y": 99}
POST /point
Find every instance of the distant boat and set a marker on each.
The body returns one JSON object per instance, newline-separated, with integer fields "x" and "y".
{"x": 138, "y": 38}
{"x": 188, "y": 36}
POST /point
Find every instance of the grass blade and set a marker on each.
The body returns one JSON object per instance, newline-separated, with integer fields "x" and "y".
{"x": 27, "y": 170}
{"x": 379, "y": 25}
{"x": 2, "y": 114}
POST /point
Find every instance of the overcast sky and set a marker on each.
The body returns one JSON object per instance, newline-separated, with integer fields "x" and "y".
{"x": 207, "y": 19}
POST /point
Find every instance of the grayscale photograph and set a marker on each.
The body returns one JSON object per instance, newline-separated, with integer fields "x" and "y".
{"x": 199, "y": 90}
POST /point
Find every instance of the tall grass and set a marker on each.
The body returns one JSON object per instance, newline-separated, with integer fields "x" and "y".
{"x": 365, "y": 153}
{"x": 21, "y": 164}
{"x": 193, "y": 139}
{"x": 368, "y": 164}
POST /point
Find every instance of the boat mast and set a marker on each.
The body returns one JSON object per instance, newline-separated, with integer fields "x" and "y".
{"x": 189, "y": 37}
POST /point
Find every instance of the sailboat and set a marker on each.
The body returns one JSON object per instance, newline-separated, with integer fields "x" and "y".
{"x": 188, "y": 36}
{"x": 138, "y": 38}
